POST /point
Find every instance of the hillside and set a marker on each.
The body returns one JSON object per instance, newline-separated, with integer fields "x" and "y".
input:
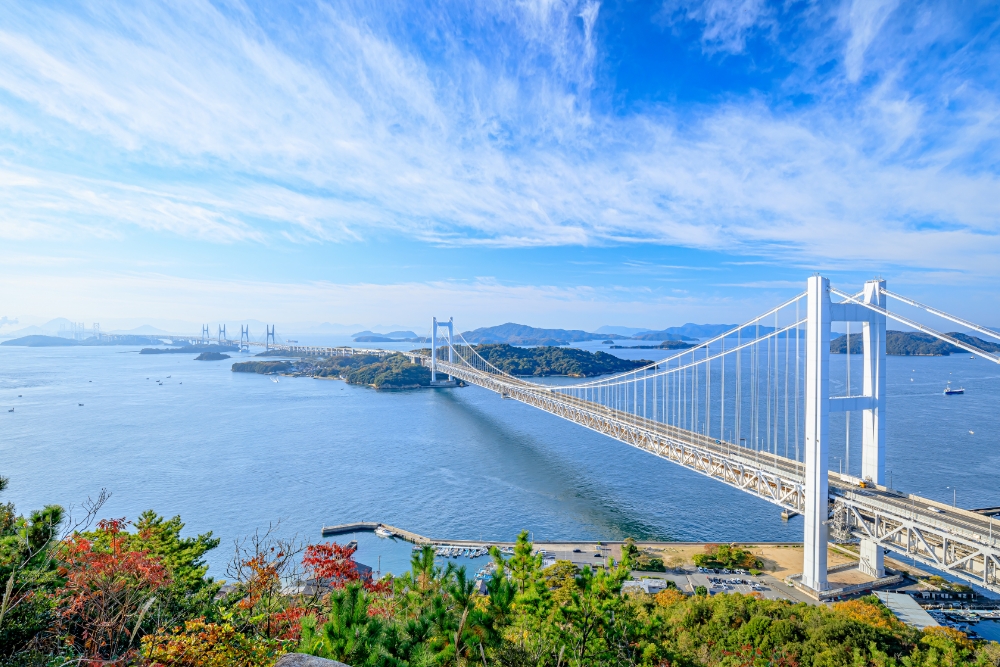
{"x": 665, "y": 345}
{"x": 190, "y": 349}
{"x": 391, "y": 372}
{"x": 263, "y": 367}
{"x": 689, "y": 331}
{"x": 661, "y": 335}
{"x": 541, "y": 361}
{"x": 38, "y": 340}
{"x": 521, "y": 334}
{"x": 913, "y": 343}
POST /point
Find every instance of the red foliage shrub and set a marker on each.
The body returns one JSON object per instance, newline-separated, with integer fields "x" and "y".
{"x": 332, "y": 563}
{"x": 107, "y": 593}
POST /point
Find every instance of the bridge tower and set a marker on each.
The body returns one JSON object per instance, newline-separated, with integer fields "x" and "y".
{"x": 244, "y": 338}
{"x": 204, "y": 333}
{"x": 821, "y": 313}
{"x": 269, "y": 339}
{"x": 450, "y": 324}
{"x": 222, "y": 334}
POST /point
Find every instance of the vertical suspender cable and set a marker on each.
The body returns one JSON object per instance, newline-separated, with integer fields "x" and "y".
{"x": 774, "y": 446}
{"x": 786, "y": 392}
{"x": 797, "y": 337}
{"x": 739, "y": 388}
{"x": 722, "y": 401}
{"x": 847, "y": 428}
{"x": 708, "y": 392}
{"x": 767, "y": 430}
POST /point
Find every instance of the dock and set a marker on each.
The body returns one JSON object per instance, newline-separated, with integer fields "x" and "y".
{"x": 370, "y": 526}
{"x": 416, "y": 538}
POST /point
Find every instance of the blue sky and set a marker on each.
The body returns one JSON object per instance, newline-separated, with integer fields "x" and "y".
{"x": 554, "y": 163}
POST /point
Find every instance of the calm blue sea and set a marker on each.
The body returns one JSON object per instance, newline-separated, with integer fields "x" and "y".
{"x": 232, "y": 453}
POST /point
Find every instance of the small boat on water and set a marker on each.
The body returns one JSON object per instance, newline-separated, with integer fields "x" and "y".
{"x": 383, "y": 532}
{"x": 948, "y": 391}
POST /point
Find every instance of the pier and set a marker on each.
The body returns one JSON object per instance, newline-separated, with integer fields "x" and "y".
{"x": 370, "y": 527}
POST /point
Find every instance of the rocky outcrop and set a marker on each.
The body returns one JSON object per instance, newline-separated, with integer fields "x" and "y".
{"x": 303, "y": 660}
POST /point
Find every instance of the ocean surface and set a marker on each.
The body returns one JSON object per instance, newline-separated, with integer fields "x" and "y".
{"x": 234, "y": 453}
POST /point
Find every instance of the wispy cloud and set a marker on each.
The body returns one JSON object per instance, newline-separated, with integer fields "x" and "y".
{"x": 864, "y": 20}
{"x": 726, "y": 23}
{"x": 331, "y": 124}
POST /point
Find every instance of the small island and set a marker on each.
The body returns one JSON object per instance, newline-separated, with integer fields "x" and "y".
{"x": 665, "y": 345}
{"x": 211, "y": 356}
{"x": 190, "y": 349}
{"x": 264, "y": 367}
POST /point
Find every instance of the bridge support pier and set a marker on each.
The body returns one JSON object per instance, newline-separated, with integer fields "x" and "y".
{"x": 873, "y": 433}
{"x": 817, "y": 424}
{"x": 451, "y": 346}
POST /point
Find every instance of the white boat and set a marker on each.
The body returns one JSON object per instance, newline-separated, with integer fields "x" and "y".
{"x": 383, "y": 532}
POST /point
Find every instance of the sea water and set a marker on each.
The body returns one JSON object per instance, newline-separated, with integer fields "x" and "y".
{"x": 235, "y": 453}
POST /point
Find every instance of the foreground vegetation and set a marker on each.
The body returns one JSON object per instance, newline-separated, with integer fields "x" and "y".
{"x": 114, "y": 592}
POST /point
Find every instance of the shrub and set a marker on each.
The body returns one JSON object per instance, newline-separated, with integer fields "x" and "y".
{"x": 201, "y": 644}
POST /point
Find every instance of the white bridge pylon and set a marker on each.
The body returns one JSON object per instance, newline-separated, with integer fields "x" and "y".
{"x": 752, "y": 408}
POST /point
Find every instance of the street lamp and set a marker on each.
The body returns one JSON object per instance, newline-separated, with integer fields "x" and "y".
{"x": 954, "y": 495}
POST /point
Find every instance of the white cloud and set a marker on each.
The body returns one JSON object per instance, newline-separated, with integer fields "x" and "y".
{"x": 727, "y": 23}
{"x": 864, "y": 19}
{"x": 256, "y": 138}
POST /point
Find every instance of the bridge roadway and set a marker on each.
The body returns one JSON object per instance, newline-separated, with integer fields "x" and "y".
{"x": 958, "y": 541}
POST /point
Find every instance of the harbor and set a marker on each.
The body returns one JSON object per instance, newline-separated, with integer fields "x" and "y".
{"x": 946, "y": 603}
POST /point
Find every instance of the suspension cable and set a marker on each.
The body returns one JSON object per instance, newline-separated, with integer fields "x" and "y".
{"x": 609, "y": 382}
{"x": 939, "y": 313}
{"x": 919, "y": 327}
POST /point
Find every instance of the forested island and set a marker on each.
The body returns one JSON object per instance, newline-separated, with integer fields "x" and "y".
{"x": 665, "y": 345}
{"x": 542, "y": 361}
{"x": 395, "y": 371}
{"x": 211, "y": 356}
{"x": 913, "y": 343}
{"x": 381, "y": 372}
{"x": 189, "y": 349}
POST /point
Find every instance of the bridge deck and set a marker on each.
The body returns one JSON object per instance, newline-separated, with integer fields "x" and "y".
{"x": 957, "y": 540}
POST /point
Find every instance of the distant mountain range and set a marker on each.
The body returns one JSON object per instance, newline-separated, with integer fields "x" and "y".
{"x": 391, "y": 334}
{"x": 40, "y": 340}
{"x": 521, "y": 334}
{"x": 689, "y": 331}
{"x": 622, "y": 331}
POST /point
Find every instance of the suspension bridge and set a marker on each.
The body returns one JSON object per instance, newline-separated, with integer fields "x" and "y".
{"x": 752, "y": 409}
